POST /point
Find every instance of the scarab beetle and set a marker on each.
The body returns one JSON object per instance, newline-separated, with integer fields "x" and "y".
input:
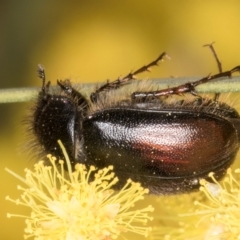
{"x": 167, "y": 146}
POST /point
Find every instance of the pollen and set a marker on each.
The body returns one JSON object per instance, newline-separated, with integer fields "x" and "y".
{"x": 79, "y": 203}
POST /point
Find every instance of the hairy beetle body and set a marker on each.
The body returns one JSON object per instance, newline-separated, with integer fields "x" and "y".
{"x": 166, "y": 146}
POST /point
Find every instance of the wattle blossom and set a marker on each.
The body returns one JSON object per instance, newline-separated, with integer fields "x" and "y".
{"x": 74, "y": 205}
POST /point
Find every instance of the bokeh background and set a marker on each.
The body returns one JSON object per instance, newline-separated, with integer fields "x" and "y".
{"x": 90, "y": 41}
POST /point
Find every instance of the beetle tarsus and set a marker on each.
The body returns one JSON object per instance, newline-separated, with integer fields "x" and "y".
{"x": 219, "y": 64}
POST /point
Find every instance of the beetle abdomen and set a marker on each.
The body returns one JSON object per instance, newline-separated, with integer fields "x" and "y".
{"x": 160, "y": 144}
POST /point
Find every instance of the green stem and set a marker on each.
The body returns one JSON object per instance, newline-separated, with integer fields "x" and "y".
{"x": 219, "y": 86}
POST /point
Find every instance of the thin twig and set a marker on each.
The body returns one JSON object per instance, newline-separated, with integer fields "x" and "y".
{"x": 12, "y": 95}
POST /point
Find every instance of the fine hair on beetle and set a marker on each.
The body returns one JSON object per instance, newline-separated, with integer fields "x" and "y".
{"x": 166, "y": 139}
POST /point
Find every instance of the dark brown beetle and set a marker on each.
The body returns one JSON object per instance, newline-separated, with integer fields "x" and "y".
{"x": 166, "y": 146}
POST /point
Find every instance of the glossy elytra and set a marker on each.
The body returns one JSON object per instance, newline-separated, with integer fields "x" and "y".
{"x": 167, "y": 146}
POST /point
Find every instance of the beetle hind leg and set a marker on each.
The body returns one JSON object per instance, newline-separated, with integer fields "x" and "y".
{"x": 189, "y": 87}
{"x": 184, "y": 88}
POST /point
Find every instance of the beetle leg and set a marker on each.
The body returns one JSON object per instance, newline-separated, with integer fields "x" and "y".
{"x": 184, "y": 88}
{"x": 122, "y": 81}
{"x": 219, "y": 64}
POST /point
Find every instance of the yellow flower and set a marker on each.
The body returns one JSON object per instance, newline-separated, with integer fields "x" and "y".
{"x": 223, "y": 209}
{"x": 213, "y": 213}
{"x": 72, "y": 206}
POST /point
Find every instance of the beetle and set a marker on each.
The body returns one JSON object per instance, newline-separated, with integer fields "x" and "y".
{"x": 167, "y": 146}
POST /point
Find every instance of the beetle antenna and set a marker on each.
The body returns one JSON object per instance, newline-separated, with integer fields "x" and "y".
{"x": 41, "y": 75}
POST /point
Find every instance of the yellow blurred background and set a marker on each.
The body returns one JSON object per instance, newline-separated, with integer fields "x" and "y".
{"x": 90, "y": 41}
